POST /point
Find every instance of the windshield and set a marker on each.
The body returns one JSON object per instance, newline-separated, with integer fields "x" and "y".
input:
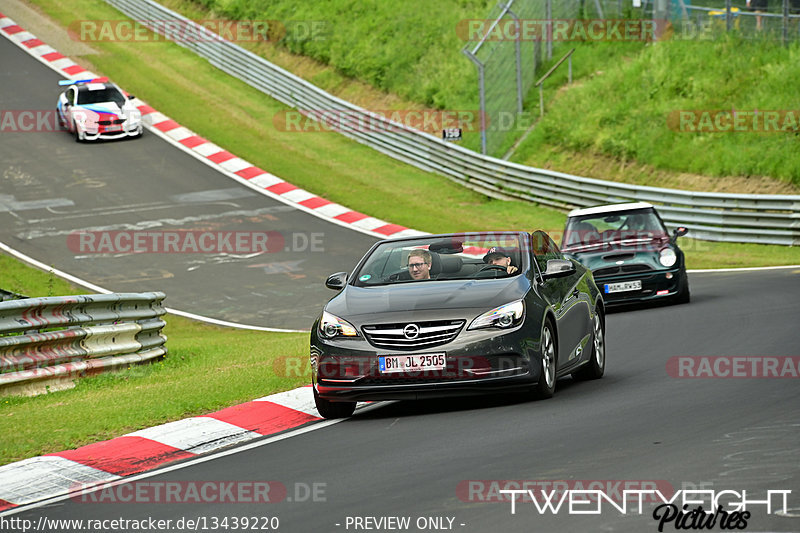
{"x": 613, "y": 228}
{"x": 461, "y": 256}
{"x": 99, "y": 96}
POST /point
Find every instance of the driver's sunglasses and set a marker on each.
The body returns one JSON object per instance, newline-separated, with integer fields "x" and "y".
{"x": 416, "y": 265}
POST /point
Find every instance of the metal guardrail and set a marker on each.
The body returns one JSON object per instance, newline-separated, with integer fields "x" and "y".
{"x": 767, "y": 219}
{"x": 59, "y": 338}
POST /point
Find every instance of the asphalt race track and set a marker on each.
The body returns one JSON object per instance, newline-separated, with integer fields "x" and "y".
{"x": 647, "y": 424}
{"x": 638, "y": 425}
{"x": 51, "y": 187}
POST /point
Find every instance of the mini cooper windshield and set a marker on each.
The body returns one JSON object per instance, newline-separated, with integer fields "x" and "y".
{"x": 467, "y": 256}
{"x": 603, "y": 229}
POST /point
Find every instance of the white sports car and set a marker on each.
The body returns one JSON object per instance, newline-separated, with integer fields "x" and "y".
{"x": 95, "y": 108}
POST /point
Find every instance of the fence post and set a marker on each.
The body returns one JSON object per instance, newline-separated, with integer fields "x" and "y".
{"x": 785, "y": 37}
{"x": 728, "y": 16}
{"x": 549, "y": 17}
{"x": 518, "y": 51}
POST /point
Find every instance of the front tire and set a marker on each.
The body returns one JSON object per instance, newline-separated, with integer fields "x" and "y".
{"x": 596, "y": 366}
{"x": 546, "y": 386}
{"x": 78, "y": 136}
{"x": 684, "y": 297}
{"x": 329, "y": 409}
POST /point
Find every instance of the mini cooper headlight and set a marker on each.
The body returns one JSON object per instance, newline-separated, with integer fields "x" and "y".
{"x": 331, "y": 326}
{"x": 667, "y": 257}
{"x": 505, "y": 316}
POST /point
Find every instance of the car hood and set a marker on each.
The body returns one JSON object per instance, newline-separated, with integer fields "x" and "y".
{"x": 108, "y": 108}
{"x": 427, "y": 296}
{"x": 646, "y": 251}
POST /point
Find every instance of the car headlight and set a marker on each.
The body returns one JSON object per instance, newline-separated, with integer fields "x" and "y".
{"x": 134, "y": 116}
{"x": 505, "y": 316}
{"x": 331, "y": 326}
{"x": 667, "y": 257}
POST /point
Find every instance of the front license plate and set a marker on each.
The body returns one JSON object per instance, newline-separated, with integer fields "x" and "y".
{"x": 624, "y": 286}
{"x": 411, "y": 363}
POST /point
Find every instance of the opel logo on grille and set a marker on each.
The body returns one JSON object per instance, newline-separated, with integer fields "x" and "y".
{"x": 411, "y": 331}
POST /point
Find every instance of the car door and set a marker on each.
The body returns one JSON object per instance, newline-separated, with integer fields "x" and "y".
{"x": 569, "y": 298}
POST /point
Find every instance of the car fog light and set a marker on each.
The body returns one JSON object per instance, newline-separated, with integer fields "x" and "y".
{"x": 669, "y": 275}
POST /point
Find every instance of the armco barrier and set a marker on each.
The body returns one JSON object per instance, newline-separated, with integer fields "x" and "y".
{"x": 768, "y": 219}
{"x": 55, "y": 339}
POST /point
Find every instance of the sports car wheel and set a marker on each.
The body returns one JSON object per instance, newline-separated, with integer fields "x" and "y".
{"x": 78, "y": 136}
{"x": 547, "y": 381}
{"x": 329, "y": 409}
{"x": 596, "y": 366}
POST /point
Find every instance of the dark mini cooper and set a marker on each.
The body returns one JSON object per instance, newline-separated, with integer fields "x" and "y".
{"x": 452, "y": 315}
{"x": 630, "y": 252}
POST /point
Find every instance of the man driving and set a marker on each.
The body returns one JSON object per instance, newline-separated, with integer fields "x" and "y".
{"x": 498, "y": 256}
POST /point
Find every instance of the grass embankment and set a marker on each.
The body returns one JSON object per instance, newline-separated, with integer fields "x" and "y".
{"x": 622, "y": 112}
{"x": 209, "y": 368}
{"x": 617, "y": 108}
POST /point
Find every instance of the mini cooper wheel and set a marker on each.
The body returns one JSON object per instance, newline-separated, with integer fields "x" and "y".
{"x": 329, "y": 409}
{"x": 596, "y": 366}
{"x": 547, "y": 380}
{"x": 683, "y": 296}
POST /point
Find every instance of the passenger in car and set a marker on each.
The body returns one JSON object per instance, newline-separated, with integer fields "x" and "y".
{"x": 498, "y": 256}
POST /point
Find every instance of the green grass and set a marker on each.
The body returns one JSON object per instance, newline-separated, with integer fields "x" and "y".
{"x": 631, "y": 124}
{"x": 209, "y": 368}
{"x": 412, "y": 50}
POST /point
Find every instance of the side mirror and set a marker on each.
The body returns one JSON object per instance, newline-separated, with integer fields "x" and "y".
{"x": 131, "y": 97}
{"x": 679, "y": 232}
{"x": 336, "y": 281}
{"x": 558, "y": 268}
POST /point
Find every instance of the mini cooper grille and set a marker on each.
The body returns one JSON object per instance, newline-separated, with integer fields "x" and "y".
{"x": 624, "y": 269}
{"x": 413, "y": 335}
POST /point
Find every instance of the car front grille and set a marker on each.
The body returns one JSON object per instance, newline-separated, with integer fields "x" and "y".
{"x": 621, "y": 269}
{"x": 393, "y": 336}
{"x": 110, "y": 122}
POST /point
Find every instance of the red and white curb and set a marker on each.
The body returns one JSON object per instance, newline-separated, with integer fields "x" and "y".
{"x": 211, "y": 154}
{"x": 57, "y": 474}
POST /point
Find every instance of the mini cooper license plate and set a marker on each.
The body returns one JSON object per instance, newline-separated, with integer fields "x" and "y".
{"x": 623, "y": 286}
{"x": 388, "y": 364}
